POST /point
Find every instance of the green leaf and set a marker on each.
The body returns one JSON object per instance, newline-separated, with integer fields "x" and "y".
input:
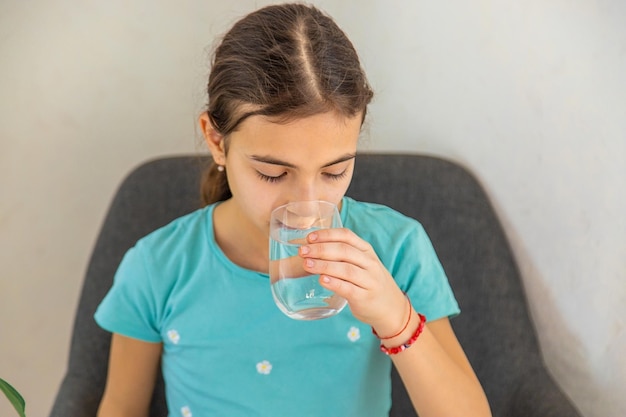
{"x": 14, "y": 397}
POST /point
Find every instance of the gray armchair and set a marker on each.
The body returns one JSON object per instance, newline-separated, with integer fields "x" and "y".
{"x": 494, "y": 326}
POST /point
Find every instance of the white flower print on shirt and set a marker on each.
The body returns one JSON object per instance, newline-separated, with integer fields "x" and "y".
{"x": 185, "y": 412}
{"x": 173, "y": 336}
{"x": 354, "y": 334}
{"x": 264, "y": 367}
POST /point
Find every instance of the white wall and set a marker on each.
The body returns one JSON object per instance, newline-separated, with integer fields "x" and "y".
{"x": 530, "y": 95}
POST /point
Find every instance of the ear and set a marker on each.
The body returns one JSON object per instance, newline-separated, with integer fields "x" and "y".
{"x": 213, "y": 139}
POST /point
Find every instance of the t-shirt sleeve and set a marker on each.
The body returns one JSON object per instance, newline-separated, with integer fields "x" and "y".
{"x": 419, "y": 273}
{"x": 130, "y": 307}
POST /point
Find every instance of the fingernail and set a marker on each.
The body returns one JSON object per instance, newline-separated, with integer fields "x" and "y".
{"x": 309, "y": 263}
{"x": 304, "y": 250}
{"x": 312, "y": 237}
{"x": 325, "y": 279}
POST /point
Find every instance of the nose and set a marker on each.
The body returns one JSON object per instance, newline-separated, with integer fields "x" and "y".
{"x": 305, "y": 190}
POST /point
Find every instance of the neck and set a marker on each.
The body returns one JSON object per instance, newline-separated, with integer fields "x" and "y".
{"x": 242, "y": 243}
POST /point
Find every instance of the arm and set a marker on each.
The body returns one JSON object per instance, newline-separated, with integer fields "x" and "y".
{"x": 133, "y": 367}
{"x": 435, "y": 370}
{"x": 436, "y": 373}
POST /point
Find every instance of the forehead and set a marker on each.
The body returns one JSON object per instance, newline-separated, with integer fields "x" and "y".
{"x": 322, "y": 130}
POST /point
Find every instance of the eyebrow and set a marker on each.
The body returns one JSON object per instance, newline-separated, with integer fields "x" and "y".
{"x": 274, "y": 161}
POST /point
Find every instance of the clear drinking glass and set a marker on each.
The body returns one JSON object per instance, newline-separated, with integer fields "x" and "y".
{"x": 297, "y": 293}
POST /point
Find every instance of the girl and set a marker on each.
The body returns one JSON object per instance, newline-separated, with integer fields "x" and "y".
{"x": 286, "y": 101}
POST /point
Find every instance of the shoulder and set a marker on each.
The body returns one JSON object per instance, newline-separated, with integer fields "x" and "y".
{"x": 396, "y": 238}
{"x": 372, "y": 219}
{"x": 168, "y": 255}
{"x": 180, "y": 234}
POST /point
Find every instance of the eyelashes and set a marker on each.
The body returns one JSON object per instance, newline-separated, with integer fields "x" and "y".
{"x": 272, "y": 180}
{"x": 336, "y": 177}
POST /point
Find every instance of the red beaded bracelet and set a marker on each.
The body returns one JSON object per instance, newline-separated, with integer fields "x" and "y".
{"x": 397, "y": 349}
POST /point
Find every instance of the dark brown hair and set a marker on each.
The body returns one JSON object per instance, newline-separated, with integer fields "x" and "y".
{"x": 284, "y": 61}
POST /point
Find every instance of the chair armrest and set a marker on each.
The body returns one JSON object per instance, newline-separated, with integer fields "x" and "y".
{"x": 76, "y": 398}
{"x": 537, "y": 394}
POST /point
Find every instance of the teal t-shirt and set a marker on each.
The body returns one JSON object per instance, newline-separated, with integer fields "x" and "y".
{"x": 227, "y": 348}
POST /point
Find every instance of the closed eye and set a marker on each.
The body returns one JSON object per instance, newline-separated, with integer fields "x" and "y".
{"x": 269, "y": 178}
{"x": 275, "y": 179}
{"x": 336, "y": 177}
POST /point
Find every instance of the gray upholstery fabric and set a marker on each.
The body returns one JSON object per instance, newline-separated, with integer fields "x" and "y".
{"x": 494, "y": 326}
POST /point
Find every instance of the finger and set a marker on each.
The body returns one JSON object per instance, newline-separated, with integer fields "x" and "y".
{"x": 342, "y": 288}
{"x": 338, "y": 235}
{"x": 340, "y": 270}
{"x": 336, "y": 251}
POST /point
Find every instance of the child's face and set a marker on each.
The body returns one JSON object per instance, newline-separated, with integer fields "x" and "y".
{"x": 270, "y": 164}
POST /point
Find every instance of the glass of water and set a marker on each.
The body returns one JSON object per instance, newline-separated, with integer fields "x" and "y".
{"x": 297, "y": 293}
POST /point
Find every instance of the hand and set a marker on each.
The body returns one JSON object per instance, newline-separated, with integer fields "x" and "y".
{"x": 349, "y": 266}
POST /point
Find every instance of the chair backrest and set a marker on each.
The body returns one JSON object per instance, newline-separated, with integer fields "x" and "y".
{"x": 494, "y": 326}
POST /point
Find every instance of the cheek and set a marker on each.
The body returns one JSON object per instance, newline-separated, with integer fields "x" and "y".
{"x": 335, "y": 192}
{"x": 260, "y": 200}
